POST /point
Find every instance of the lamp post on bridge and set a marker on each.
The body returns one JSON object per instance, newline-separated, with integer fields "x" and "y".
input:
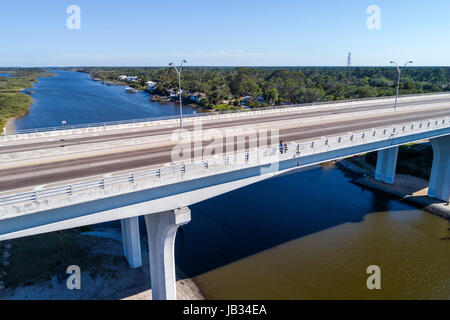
{"x": 399, "y": 69}
{"x": 179, "y": 87}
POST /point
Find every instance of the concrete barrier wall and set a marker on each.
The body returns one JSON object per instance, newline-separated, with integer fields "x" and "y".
{"x": 45, "y": 199}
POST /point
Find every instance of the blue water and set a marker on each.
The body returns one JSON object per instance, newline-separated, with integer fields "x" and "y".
{"x": 75, "y": 98}
{"x": 6, "y": 75}
{"x": 244, "y": 222}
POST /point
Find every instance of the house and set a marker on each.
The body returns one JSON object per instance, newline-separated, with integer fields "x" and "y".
{"x": 150, "y": 85}
{"x": 245, "y": 100}
{"x": 127, "y": 78}
{"x": 173, "y": 93}
{"x": 132, "y": 79}
{"x": 197, "y": 97}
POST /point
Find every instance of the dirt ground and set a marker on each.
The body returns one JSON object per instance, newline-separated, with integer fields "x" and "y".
{"x": 37, "y": 268}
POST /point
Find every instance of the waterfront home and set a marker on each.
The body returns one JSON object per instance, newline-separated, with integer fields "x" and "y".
{"x": 150, "y": 85}
{"x": 132, "y": 79}
{"x": 197, "y": 97}
{"x": 128, "y": 78}
{"x": 173, "y": 93}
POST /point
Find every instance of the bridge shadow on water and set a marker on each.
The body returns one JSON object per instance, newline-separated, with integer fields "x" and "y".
{"x": 250, "y": 220}
{"x": 247, "y": 221}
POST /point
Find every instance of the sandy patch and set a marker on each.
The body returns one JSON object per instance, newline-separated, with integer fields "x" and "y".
{"x": 10, "y": 127}
{"x": 37, "y": 269}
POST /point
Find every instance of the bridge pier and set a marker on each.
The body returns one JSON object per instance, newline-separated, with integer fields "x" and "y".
{"x": 386, "y": 165}
{"x": 131, "y": 241}
{"x": 439, "y": 187}
{"x": 161, "y": 231}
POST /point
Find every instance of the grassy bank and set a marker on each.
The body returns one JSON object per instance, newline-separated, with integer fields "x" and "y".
{"x": 12, "y": 102}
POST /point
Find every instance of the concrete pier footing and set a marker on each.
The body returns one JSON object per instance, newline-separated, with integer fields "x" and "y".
{"x": 131, "y": 241}
{"x": 439, "y": 187}
{"x": 161, "y": 231}
{"x": 386, "y": 165}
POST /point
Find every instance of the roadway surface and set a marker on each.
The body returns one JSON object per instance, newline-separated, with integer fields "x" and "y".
{"x": 49, "y": 172}
{"x": 250, "y": 120}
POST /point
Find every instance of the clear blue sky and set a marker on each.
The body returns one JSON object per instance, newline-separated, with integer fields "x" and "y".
{"x": 223, "y": 32}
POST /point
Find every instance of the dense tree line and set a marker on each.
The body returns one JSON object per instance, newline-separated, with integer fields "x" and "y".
{"x": 225, "y": 86}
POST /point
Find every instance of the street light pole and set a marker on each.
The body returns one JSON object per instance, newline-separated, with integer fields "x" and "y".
{"x": 399, "y": 69}
{"x": 179, "y": 92}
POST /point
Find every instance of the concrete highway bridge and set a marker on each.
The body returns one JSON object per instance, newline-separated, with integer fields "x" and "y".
{"x": 59, "y": 178}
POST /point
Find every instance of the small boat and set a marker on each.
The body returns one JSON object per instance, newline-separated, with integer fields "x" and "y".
{"x": 158, "y": 98}
{"x": 131, "y": 90}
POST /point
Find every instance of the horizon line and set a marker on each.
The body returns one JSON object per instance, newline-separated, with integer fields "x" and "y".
{"x": 223, "y": 66}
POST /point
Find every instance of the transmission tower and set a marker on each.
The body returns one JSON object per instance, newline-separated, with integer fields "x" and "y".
{"x": 349, "y": 60}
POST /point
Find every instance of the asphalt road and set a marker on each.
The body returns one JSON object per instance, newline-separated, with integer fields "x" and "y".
{"x": 108, "y": 136}
{"x": 45, "y": 173}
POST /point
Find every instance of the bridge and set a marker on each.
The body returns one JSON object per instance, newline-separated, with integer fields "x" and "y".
{"x": 65, "y": 177}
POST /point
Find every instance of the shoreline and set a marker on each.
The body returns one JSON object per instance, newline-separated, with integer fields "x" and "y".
{"x": 10, "y": 127}
{"x": 161, "y": 102}
{"x": 407, "y": 189}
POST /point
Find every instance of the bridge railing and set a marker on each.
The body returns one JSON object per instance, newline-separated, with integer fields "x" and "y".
{"x": 204, "y": 114}
{"x": 141, "y": 180}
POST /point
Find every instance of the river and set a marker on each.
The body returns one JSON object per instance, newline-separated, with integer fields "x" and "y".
{"x": 307, "y": 235}
{"x": 75, "y": 98}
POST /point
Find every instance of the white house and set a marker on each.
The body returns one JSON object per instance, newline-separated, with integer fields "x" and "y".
{"x": 128, "y": 79}
{"x": 132, "y": 79}
{"x": 150, "y": 85}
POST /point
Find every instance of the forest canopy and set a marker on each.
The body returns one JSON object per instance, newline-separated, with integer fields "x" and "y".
{"x": 274, "y": 86}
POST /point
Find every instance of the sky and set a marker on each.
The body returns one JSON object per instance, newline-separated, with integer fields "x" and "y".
{"x": 224, "y": 33}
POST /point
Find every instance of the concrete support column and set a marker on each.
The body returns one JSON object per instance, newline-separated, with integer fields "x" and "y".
{"x": 161, "y": 231}
{"x": 386, "y": 165}
{"x": 131, "y": 241}
{"x": 439, "y": 187}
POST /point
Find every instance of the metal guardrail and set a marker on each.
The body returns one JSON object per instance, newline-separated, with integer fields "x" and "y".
{"x": 34, "y": 196}
{"x": 318, "y": 145}
{"x": 202, "y": 114}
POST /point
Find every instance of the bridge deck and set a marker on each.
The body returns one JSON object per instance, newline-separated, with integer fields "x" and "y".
{"x": 294, "y": 127}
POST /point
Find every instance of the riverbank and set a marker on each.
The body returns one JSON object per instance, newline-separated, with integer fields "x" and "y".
{"x": 407, "y": 189}
{"x": 105, "y": 273}
{"x": 162, "y": 100}
{"x": 13, "y": 103}
{"x": 10, "y": 127}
